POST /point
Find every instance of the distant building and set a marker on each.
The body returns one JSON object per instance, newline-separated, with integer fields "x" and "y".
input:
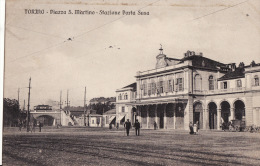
{"x": 125, "y": 105}
{"x": 102, "y": 100}
{"x": 192, "y": 89}
{"x": 109, "y": 118}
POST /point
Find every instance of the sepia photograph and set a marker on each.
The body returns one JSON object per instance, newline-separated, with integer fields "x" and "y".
{"x": 130, "y": 82}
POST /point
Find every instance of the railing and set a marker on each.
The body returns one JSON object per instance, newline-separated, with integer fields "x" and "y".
{"x": 185, "y": 91}
{"x": 163, "y": 68}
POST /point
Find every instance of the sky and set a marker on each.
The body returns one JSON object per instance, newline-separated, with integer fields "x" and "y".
{"x": 106, "y": 51}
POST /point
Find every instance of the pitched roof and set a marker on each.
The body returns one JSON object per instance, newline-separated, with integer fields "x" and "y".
{"x": 238, "y": 73}
{"x": 133, "y": 85}
{"x": 200, "y": 61}
{"x": 112, "y": 111}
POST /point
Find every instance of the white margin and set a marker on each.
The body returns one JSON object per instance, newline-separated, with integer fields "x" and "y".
{"x": 2, "y": 34}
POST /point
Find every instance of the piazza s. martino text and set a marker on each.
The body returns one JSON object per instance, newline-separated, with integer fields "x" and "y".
{"x": 86, "y": 12}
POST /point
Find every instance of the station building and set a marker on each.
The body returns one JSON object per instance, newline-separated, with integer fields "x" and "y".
{"x": 192, "y": 89}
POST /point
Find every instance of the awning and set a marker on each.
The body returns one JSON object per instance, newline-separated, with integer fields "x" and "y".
{"x": 122, "y": 118}
{"x": 112, "y": 118}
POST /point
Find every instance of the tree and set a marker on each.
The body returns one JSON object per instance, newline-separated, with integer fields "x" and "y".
{"x": 11, "y": 112}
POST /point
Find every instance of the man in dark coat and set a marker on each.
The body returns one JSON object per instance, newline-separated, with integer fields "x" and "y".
{"x": 191, "y": 128}
{"x": 137, "y": 128}
{"x": 127, "y": 127}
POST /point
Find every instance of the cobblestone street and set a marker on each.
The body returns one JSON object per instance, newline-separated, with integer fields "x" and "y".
{"x": 90, "y": 146}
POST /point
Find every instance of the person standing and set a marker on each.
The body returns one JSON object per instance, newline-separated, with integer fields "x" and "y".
{"x": 20, "y": 125}
{"x": 137, "y": 128}
{"x": 191, "y": 128}
{"x": 155, "y": 125}
{"x": 127, "y": 126}
{"x": 195, "y": 128}
{"x": 40, "y": 127}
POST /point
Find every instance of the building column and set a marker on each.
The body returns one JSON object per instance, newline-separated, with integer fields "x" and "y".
{"x": 232, "y": 114}
{"x": 205, "y": 118}
{"x": 147, "y": 113}
{"x": 156, "y": 118}
{"x": 255, "y": 116}
{"x": 54, "y": 122}
{"x": 140, "y": 116}
{"x": 218, "y": 118}
{"x": 258, "y": 120}
{"x": 164, "y": 117}
{"x": 174, "y": 116}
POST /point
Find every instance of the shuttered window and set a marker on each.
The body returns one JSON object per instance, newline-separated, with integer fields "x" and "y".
{"x": 149, "y": 89}
{"x": 161, "y": 86}
{"x": 179, "y": 84}
{"x": 256, "y": 80}
{"x": 211, "y": 83}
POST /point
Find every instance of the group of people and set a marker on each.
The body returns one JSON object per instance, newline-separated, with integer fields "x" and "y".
{"x": 31, "y": 126}
{"x": 194, "y": 128}
{"x": 128, "y": 126}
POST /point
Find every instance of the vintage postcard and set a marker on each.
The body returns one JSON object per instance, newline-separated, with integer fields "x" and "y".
{"x": 140, "y": 82}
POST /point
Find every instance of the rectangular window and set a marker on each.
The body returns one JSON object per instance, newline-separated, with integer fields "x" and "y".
{"x": 211, "y": 84}
{"x": 170, "y": 85}
{"x": 161, "y": 86}
{"x": 93, "y": 121}
{"x": 145, "y": 89}
{"x": 123, "y": 109}
{"x": 180, "y": 84}
{"x": 149, "y": 89}
{"x": 256, "y": 81}
{"x": 239, "y": 83}
{"x": 224, "y": 85}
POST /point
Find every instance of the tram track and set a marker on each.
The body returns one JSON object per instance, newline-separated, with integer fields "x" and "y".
{"x": 102, "y": 150}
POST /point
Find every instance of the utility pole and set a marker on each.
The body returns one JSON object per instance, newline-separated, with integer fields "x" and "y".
{"x": 85, "y": 107}
{"x": 67, "y": 102}
{"x": 60, "y": 103}
{"x": 28, "y": 110}
{"x": 18, "y": 99}
{"x": 23, "y": 105}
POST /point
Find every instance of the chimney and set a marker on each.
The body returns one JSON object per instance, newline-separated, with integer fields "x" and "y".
{"x": 233, "y": 66}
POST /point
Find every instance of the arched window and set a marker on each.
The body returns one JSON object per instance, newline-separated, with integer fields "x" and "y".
{"x": 126, "y": 96}
{"x": 197, "y": 82}
{"x": 120, "y": 97}
{"x": 211, "y": 83}
{"x": 256, "y": 80}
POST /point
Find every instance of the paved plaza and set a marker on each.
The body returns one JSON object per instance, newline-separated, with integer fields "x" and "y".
{"x": 97, "y": 146}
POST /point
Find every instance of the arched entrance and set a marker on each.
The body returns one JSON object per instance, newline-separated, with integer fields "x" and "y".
{"x": 212, "y": 115}
{"x": 134, "y": 114}
{"x": 46, "y": 120}
{"x": 239, "y": 110}
{"x": 225, "y": 111}
{"x": 198, "y": 114}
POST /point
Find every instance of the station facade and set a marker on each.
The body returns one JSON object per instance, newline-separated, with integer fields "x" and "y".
{"x": 192, "y": 89}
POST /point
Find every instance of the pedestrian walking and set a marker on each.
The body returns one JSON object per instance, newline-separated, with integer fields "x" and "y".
{"x": 127, "y": 126}
{"x": 155, "y": 125}
{"x": 137, "y": 128}
{"x": 191, "y": 128}
{"x": 195, "y": 128}
{"x": 117, "y": 126}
